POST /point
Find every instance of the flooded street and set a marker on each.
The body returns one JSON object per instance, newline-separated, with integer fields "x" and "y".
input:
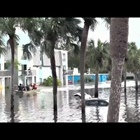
{"x": 39, "y": 108}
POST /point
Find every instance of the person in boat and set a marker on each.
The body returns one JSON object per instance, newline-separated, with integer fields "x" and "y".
{"x": 23, "y": 87}
{"x": 34, "y": 86}
{"x": 27, "y": 87}
{"x": 20, "y": 88}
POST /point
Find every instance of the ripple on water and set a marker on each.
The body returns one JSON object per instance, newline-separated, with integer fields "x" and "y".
{"x": 39, "y": 108}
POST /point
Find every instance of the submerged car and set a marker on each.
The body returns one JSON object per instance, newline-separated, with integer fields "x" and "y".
{"x": 96, "y": 102}
{"x": 89, "y": 101}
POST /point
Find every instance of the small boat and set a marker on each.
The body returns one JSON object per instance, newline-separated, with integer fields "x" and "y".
{"x": 26, "y": 92}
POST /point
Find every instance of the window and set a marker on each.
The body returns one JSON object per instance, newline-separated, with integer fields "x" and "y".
{"x": 64, "y": 68}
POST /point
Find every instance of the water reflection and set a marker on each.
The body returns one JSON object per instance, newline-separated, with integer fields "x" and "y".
{"x": 39, "y": 108}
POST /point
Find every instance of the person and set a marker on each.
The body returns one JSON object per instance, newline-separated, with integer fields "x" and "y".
{"x": 34, "y": 86}
{"x": 20, "y": 88}
{"x": 29, "y": 71}
{"x": 27, "y": 87}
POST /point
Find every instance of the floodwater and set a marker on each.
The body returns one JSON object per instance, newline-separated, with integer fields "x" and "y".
{"x": 39, "y": 108}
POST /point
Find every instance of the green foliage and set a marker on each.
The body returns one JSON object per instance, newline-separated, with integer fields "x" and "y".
{"x": 8, "y": 64}
{"x": 133, "y": 63}
{"x": 29, "y": 49}
{"x": 96, "y": 55}
{"x": 49, "y": 81}
{"x": 7, "y": 87}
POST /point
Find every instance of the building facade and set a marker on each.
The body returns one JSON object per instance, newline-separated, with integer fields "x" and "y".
{"x": 34, "y": 70}
{"x": 61, "y": 58}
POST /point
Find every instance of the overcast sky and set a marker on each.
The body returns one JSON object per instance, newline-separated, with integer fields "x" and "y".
{"x": 101, "y": 32}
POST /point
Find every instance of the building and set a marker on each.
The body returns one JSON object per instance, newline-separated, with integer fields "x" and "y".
{"x": 61, "y": 58}
{"x": 22, "y": 75}
{"x": 39, "y": 68}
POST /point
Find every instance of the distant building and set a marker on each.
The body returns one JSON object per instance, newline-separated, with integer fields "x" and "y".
{"x": 34, "y": 70}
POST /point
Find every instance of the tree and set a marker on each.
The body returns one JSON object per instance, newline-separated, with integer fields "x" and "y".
{"x": 133, "y": 64}
{"x": 88, "y": 22}
{"x": 96, "y": 57}
{"x": 16, "y": 64}
{"x": 118, "y": 50}
{"x": 125, "y": 72}
{"x": 8, "y": 28}
{"x": 51, "y": 33}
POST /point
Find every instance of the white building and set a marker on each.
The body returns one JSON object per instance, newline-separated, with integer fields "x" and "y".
{"x": 61, "y": 58}
{"x": 38, "y": 70}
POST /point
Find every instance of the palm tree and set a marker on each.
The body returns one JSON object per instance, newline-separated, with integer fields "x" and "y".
{"x": 8, "y": 28}
{"x": 88, "y": 22}
{"x": 96, "y": 57}
{"x": 133, "y": 64}
{"x": 118, "y": 51}
{"x": 125, "y": 72}
{"x": 51, "y": 32}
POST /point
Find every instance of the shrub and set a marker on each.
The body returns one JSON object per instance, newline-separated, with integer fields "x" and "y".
{"x": 49, "y": 82}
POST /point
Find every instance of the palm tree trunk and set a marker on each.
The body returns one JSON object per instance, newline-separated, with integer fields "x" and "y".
{"x": 11, "y": 41}
{"x": 82, "y": 68}
{"x": 124, "y": 80}
{"x": 136, "y": 82}
{"x": 54, "y": 75}
{"x": 115, "y": 91}
{"x": 96, "y": 84}
{"x": 118, "y": 50}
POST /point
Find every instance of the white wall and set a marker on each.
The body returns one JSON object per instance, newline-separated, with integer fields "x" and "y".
{"x": 2, "y": 62}
{"x": 45, "y": 72}
{"x": 58, "y": 59}
{"x": 64, "y": 56}
{"x": 37, "y": 75}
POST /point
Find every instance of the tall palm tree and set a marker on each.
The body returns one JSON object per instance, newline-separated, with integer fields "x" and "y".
{"x": 88, "y": 22}
{"x": 118, "y": 50}
{"x": 125, "y": 72}
{"x": 133, "y": 64}
{"x": 8, "y": 28}
{"x": 96, "y": 57}
{"x": 51, "y": 32}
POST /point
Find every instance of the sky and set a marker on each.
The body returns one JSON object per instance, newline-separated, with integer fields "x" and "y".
{"x": 101, "y": 32}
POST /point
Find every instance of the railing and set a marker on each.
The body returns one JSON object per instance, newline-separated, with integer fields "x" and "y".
{"x": 5, "y": 73}
{"x": 27, "y": 72}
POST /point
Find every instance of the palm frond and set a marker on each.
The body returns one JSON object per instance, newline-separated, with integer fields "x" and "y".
{"x": 90, "y": 21}
{"x": 28, "y": 50}
{"x": 46, "y": 48}
{"x": 107, "y": 21}
{"x": 96, "y": 55}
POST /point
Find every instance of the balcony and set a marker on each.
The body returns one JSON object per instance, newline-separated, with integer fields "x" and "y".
{"x": 27, "y": 73}
{"x": 5, "y": 73}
